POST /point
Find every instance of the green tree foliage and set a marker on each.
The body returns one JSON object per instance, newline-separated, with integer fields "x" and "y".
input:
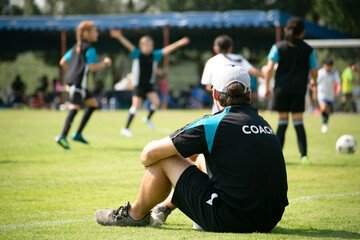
{"x": 289, "y": 6}
{"x": 9, "y": 9}
{"x": 339, "y": 14}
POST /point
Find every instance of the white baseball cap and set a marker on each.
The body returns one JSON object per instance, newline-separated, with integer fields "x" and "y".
{"x": 228, "y": 74}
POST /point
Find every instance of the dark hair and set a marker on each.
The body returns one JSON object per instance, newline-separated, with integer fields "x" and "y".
{"x": 294, "y": 26}
{"x": 223, "y": 42}
{"x": 234, "y": 95}
{"x": 328, "y": 61}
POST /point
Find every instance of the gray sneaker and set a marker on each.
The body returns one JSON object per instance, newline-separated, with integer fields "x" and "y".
{"x": 120, "y": 217}
{"x": 159, "y": 213}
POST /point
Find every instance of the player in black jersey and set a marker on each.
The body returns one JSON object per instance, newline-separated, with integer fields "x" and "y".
{"x": 77, "y": 62}
{"x": 145, "y": 61}
{"x": 245, "y": 186}
{"x": 295, "y": 58}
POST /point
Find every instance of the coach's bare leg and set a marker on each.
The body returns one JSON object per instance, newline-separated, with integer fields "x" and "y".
{"x": 156, "y": 184}
{"x": 201, "y": 164}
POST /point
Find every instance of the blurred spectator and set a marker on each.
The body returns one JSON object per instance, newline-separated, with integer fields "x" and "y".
{"x": 40, "y": 97}
{"x": 199, "y": 98}
{"x": 348, "y": 78}
{"x": 18, "y": 90}
{"x": 56, "y": 94}
{"x": 44, "y": 83}
{"x": 162, "y": 82}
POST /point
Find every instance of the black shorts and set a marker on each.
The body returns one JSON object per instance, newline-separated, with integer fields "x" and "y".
{"x": 142, "y": 91}
{"x": 79, "y": 95}
{"x": 194, "y": 195}
{"x": 288, "y": 102}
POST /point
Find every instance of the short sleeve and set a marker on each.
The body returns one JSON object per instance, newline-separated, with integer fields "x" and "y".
{"x": 91, "y": 56}
{"x": 245, "y": 64}
{"x": 312, "y": 60}
{"x": 135, "y": 54}
{"x": 67, "y": 55}
{"x": 274, "y": 54}
{"x": 157, "y": 55}
{"x": 189, "y": 141}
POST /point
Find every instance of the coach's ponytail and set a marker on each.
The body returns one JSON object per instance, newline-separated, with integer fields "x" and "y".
{"x": 82, "y": 27}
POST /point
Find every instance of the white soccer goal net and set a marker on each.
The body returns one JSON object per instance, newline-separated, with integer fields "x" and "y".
{"x": 342, "y": 52}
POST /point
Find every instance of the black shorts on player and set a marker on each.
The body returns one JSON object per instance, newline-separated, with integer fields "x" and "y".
{"x": 78, "y": 95}
{"x": 142, "y": 91}
{"x": 288, "y": 102}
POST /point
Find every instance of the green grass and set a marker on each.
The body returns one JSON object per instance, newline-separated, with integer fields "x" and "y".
{"x": 49, "y": 193}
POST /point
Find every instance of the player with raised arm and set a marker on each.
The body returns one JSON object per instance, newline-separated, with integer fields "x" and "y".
{"x": 145, "y": 61}
{"x": 77, "y": 62}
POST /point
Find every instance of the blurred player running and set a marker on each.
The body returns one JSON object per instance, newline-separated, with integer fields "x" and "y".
{"x": 327, "y": 77}
{"x": 77, "y": 62}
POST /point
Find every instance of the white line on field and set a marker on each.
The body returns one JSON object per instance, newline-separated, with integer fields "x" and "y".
{"x": 61, "y": 222}
{"x": 309, "y": 198}
{"x": 40, "y": 224}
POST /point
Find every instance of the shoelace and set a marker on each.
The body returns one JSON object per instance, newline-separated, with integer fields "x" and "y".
{"x": 121, "y": 212}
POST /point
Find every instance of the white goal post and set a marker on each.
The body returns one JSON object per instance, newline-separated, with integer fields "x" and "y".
{"x": 333, "y": 43}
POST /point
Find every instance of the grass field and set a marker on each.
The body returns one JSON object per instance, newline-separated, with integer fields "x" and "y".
{"x": 49, "y": 193}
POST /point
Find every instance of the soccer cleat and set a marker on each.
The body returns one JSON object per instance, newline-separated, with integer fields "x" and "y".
{"x": 324, "y": 128}
{"x": 62, "y": 142}
{"x": 78, "y": 137}
{"x": 305, "y": 160}
{"x": 120, "y": 217}
{"x": 159, "y": 213}
{"x": 150, "y": 124}
{"x": 126, "y": 132}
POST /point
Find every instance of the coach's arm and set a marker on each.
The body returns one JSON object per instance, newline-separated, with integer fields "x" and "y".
{"x": 157, "y": 150}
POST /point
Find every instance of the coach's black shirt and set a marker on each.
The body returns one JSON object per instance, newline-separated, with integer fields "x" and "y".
{"x": 294, "y": 64}
{"x": 246, "y": 161}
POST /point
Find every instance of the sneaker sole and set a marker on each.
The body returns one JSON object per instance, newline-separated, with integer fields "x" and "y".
{"x": 157, "y": 219}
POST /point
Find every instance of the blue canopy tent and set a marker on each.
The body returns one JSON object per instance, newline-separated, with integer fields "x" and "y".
{"x": 41, "y": 32}
{"x": 237, "y": 19}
